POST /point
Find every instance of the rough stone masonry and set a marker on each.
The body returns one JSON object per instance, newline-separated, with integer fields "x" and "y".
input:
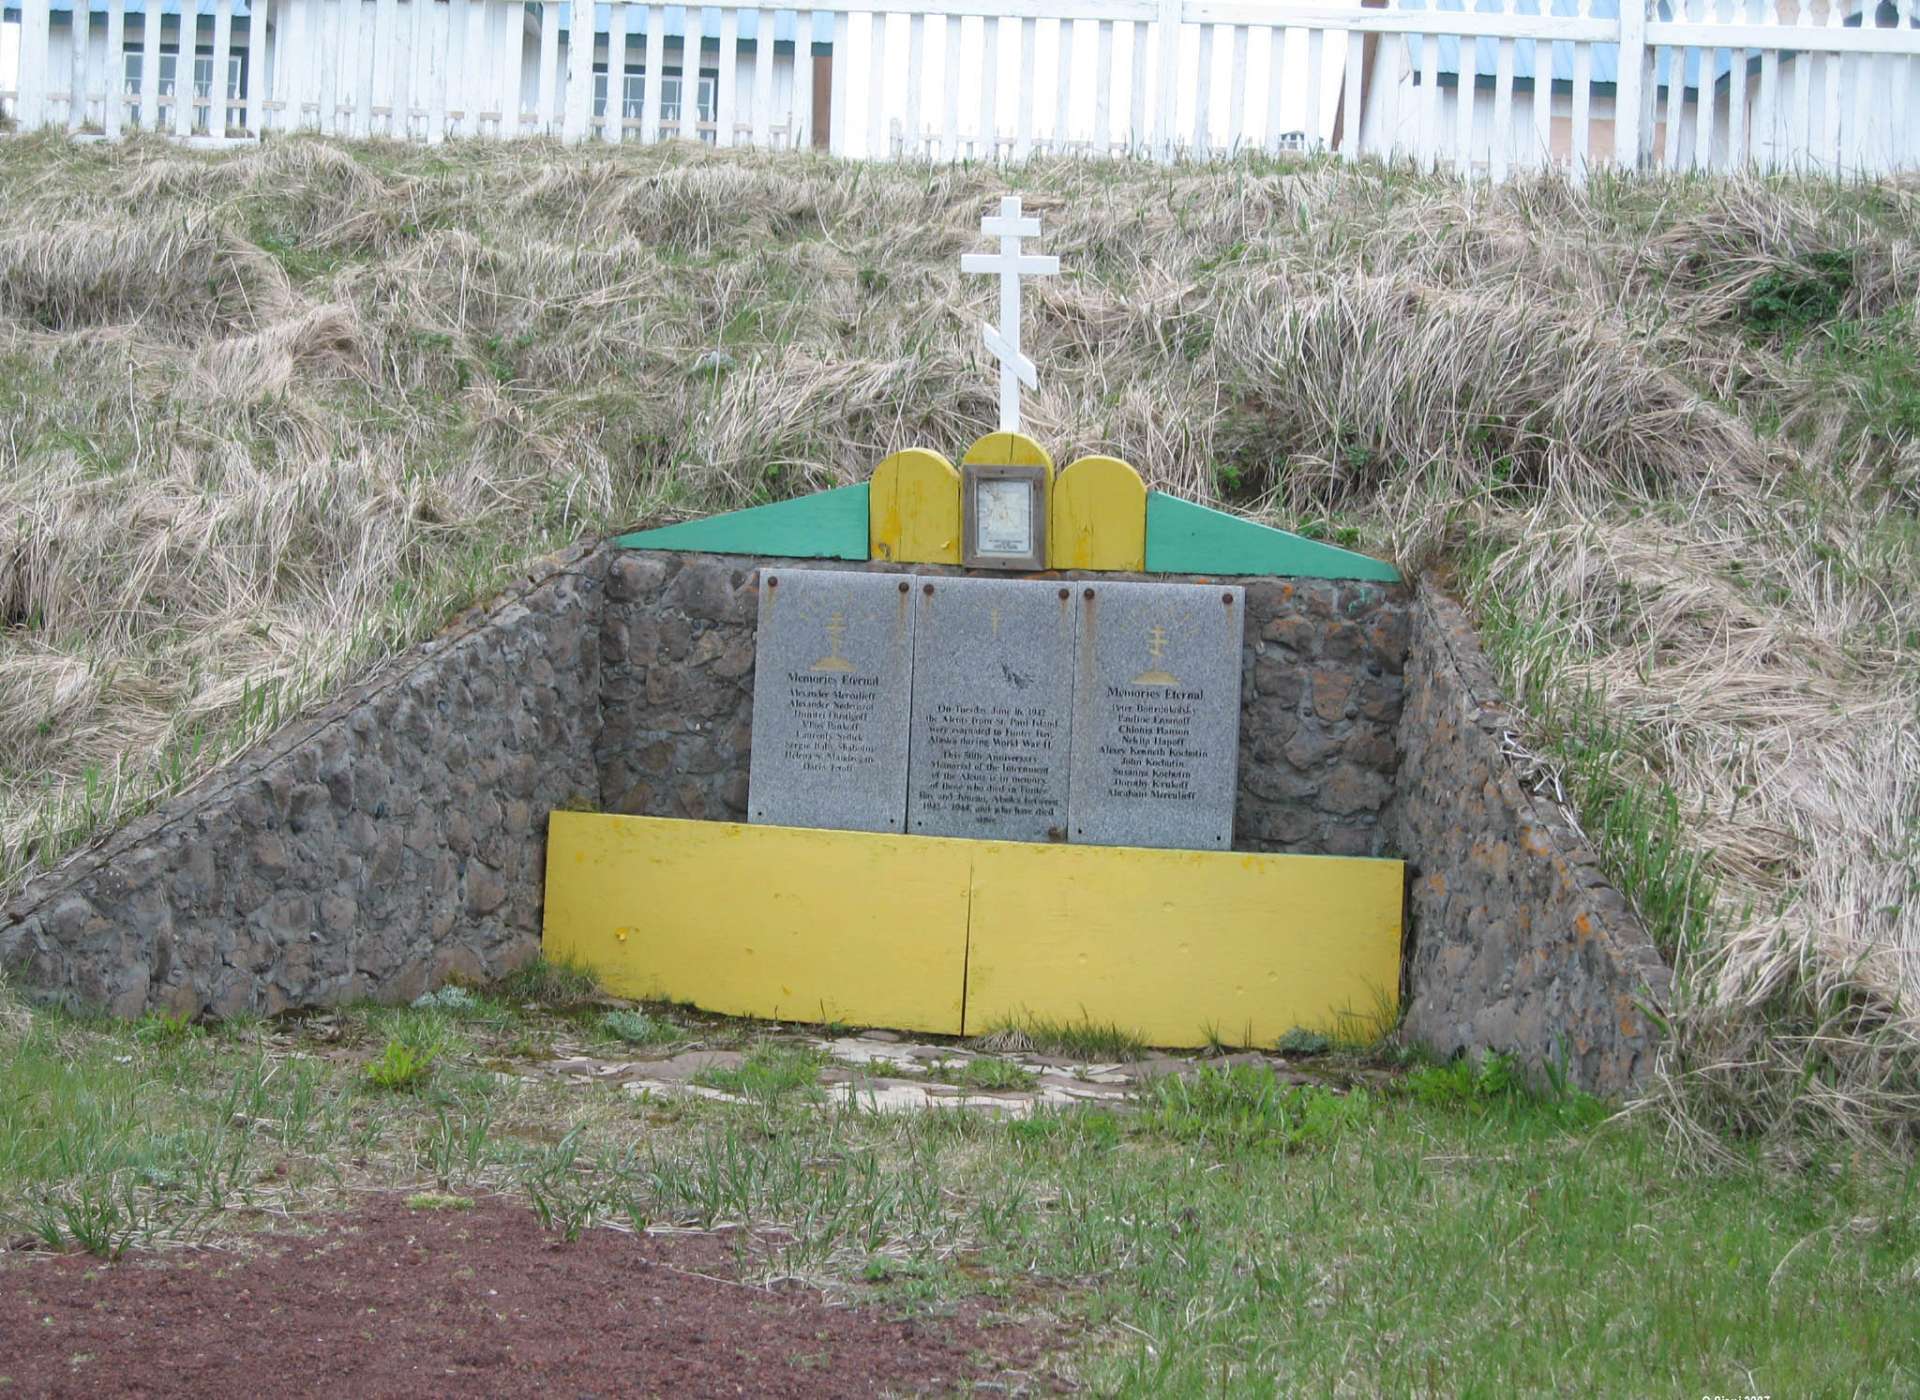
{"x": 396, "y": 836}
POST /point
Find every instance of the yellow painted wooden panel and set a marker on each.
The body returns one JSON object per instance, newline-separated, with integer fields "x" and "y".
{"x": 764, "y": 921}
{"x": 1174, "y": 943}
{"x": 1008, "y": 450}
{"x": 1099, "y": 517}
{"x": 914, "y": 505}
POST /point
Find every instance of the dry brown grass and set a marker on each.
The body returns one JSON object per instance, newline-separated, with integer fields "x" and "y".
{"x": 268, "y": 416}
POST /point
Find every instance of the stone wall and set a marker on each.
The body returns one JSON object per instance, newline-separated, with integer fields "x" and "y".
{"x": 390, "y": 839}
{"x": 1321, "y": 686}
{"x": 1518, "y": 942}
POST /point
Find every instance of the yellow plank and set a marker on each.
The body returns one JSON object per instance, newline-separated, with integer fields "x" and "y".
{"x": 914, "y": 509}
{"x": 1173, "y": 944}
{"x": 1008, "y": 450}
{"x": 1099, "y": 517}
{"x": 888, "y": 930}
{"x": 763, "y": 921}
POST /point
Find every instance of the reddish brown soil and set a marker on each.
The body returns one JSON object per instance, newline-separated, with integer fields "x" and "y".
{"x": 394, "y": 1301}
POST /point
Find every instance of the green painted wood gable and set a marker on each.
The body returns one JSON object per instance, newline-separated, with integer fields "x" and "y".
{"x": 1183, "y": 538}
{"x": 826, "y": 525}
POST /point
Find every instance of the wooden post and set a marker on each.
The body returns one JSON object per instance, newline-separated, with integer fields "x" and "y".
{"x": 113, "y": 111}
{"x": 1627, "y": 133}
{"x": 1166, "y": 117}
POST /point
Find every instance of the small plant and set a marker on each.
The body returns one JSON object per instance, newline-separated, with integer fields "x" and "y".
{"x": 551, "y": 982}
{"x": 438, "y": 1200}
{"x": 771, "y": 1071}
{"x": 1793, "y": 300}
{"x": 994, "y": 1074}
{"x": 451, "y": 998}
{"x": 638, "y": 1028}
{"x": 1246, "y": 1106}
{"x": 166, "y": 1029}
{"x": 1085, "y": 1039}
{"x": 401, "y": 1067}
{"x": 1303, "y": 1042}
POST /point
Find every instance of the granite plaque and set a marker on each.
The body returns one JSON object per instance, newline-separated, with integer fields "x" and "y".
{"x": 1156, "y": 714}
{"x": 832, "y": 681}
{"x": 992, "y": 708}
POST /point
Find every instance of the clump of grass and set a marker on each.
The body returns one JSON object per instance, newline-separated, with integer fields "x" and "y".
{"x": 16, "y": 1022}
{"x": 773, "y": 1070}
{"x": 638, "y": 1028}
{"x": 1247, "y": 1106}
{"x": 401, "y": 1068}
{"x": 438, "y": 1200}
{"x": 1084, "y": 1039}
{"x": 455, "y": 999}
{"x": 994, "y": 1074}
{"x": 549, "y": 982}
{"x": 1303, "y": 1042}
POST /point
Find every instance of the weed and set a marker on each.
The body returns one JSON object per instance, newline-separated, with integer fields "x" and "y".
{"x": 436, "y": 1200}
{"x": 773, "y": 1070}
{"x": 452, "y": 998}
{"x": 1302, "y": 1042}
{"x": 1793, "y": 300}
{"x": 1084, "y": 1039}
{"x": 401, "y": 1068}
{"x": 1246, "y": 1106}
{"x": 991, "y": 1073}
{"x": 638, "y": 1028}
{"x": 549, "y": 982}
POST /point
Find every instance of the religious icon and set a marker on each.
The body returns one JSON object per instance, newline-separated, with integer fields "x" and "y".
{"x": 1004, "y": 516}
{"x": 1156, "y": 648}
{"x": 836, "y": 636}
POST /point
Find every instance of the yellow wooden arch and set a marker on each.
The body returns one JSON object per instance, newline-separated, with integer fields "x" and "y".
{"x": 913, "y": 509}
{"x": 1099, "y": 518}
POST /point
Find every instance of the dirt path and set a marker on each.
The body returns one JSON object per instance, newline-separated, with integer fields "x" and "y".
{"x": 395, "y": 1301}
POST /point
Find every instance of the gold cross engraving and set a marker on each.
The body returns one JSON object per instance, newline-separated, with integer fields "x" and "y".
{"x": 1156, "y": 648}
{"x": 836, "y": 635}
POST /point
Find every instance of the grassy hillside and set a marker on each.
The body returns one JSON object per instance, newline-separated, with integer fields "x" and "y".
{"x": 268, "y": 417}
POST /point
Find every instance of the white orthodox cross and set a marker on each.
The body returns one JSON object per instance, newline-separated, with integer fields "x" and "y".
{"x": 1004, "y": 340}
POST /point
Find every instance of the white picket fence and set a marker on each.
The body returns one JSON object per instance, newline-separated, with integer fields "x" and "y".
{"x": 1485, "y": 86}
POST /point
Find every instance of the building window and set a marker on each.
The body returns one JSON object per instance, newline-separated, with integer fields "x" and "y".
{"x": 633, "y": 98}
{"x": 133, "y": 65}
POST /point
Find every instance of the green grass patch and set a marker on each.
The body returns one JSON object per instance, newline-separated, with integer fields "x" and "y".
{"x": 548, "y": 982}
{"x": 773, "y": 1070}
{"x": 1084, "y": 1039}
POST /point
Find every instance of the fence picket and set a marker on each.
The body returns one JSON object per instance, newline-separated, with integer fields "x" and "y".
{"x": 1542, "y": 104}
{"x": 1237, "y": 91}
{"x": 763, "y": 41}
{"x": 950, "y": 92}
{"x": 1137, "y": 135}
{"x": 1203, "y": 97}
{"x": 1023, "y": 139}
{"x": 113, "y": 102}
{"x": 1063, "y": 105}
{"x": 876, "y": 85}
{"x": 1278, "y": 40}
{"x": 916, "y": 70}
{"x": 726, "y": 90}
{"x": 1499, "y": 150}
{"x": 837, "y": 91}
{"x": 1350, "y": 132}
{"x": 76, "y": 75}
{"x": 987, "y": 125}
{"x": 1103, "y": 93}
{"x": 1166, "y": 77}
